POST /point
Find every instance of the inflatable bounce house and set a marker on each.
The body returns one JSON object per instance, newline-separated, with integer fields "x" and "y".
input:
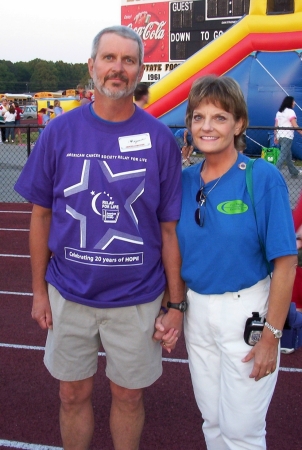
{"x": 262, "y": 51}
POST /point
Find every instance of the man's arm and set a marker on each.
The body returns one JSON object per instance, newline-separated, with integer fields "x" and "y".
{"x": 170, "y": 324}
{"x": 40, "y": 255}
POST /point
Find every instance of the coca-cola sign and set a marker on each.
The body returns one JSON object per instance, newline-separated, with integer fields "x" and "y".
{"x": 151, "y": 22}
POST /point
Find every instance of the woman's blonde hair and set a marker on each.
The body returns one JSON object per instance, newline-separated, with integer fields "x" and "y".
{"x": 221, "y": 91}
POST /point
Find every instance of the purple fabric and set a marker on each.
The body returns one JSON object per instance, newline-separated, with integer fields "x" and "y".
{"x": 109, "y": 186}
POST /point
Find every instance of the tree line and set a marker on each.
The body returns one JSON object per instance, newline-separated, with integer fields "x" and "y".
{"x": 40, "y": 75}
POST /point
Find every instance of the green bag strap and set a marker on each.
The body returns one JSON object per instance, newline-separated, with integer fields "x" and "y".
{"x": 249, "y": 181}
{"x": 250, "y": 190}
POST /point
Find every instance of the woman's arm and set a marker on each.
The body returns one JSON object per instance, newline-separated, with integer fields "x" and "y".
{"x": 275, "y": 133}
{"x": 265, "y": 352}
{"x": 293, "y": 121}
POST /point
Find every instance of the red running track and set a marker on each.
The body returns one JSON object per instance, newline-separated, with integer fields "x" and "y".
{"x": 29, "y": 396}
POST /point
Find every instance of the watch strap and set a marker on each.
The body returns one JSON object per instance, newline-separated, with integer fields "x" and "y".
{"x": 276, "y": 333}
{"x": 182, "y": 306}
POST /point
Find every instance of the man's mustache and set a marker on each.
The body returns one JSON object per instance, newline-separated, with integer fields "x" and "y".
{"x": 116, "y": 75}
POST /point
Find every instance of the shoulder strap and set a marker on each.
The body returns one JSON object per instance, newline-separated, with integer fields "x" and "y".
{"x": 249, "y": 181}
{"x": 250, "y": 190}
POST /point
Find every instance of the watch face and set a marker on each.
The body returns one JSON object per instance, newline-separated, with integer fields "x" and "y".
{"x": 278, "y": 334}
{"x": 183, "y": 306}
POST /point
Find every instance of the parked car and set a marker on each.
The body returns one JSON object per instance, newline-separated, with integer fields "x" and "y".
{"x": 29, "y": 112}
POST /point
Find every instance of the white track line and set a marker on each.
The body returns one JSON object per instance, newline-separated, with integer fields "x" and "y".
{"x": 22, "y": 347}
{"x": 26, "y": 446}
{"x": 14, "y": 229}
{"x": 16, "y": 212}
{"x": 14, "y": 256}
{"x": 16, "y": 293}
{"x": 174, "y": 360}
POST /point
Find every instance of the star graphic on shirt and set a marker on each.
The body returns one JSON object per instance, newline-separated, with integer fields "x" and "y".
{"x": 82, "y": 185}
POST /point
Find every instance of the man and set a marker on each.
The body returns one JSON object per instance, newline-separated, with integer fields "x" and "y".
{"x": 141, "y": 95}
{"x": 105, "y": 183}
{"x": 86, "y": 98}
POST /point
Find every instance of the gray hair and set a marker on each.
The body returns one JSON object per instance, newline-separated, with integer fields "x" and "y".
{"x": 124, "y": 32}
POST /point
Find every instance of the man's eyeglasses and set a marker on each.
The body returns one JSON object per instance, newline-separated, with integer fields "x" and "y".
{"x": 201, "y": 210}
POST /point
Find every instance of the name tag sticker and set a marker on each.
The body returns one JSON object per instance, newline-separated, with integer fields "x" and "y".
{"x": 135, "y": 142}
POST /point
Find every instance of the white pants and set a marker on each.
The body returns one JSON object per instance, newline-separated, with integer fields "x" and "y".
{"x": 233, "y": 405}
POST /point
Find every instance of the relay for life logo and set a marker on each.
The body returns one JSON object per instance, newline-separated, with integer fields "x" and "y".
{"x": 151, "y": 22}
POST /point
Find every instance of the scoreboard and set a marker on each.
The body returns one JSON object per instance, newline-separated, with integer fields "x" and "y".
{"x": 193, "y": 24}
{"x": 172, "y": 31}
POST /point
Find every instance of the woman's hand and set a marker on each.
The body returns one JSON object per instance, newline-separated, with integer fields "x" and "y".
{"x": 265, "y": 355}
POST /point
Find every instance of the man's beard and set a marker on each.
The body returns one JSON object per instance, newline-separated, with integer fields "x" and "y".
{"x": 121, "y": 93}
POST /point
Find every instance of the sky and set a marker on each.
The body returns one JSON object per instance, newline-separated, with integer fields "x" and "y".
{"x": 56, "y": 30}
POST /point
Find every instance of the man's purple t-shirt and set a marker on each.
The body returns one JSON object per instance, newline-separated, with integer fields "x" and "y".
{"x": 109, "y": 185}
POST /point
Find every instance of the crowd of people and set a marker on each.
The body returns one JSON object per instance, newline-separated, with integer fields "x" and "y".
{"x": 10, "y": 115}
{"x": 170, "y": 246}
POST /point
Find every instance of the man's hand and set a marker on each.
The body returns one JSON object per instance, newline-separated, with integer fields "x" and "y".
{"x": 41, "y": 311}
{"x": 168, "y": 328}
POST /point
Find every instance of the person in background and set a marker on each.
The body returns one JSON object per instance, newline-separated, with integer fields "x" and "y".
{"x": 3, "y": 109}
{"x": 103, "y": 244}
{"x": 18, "y": 121}
{"x": 141, "y": 95}
{"x": 286, "y": 117}
{"x": 10, "y": 117}
{"x": 86, "y": 98}
{"x": 43, "y": 118}
{"x": 80, "y": 89}
{"x": 57, "y": 109}
{"x": 185, "y": 143}
{"x": 225, "y": 270}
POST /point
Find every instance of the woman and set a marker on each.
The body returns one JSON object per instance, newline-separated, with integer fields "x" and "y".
{"x": 10, "y": 117}
{"x": 286, "y": 117}
{"x": 58, "y": 110}
{"x": 43, "y": 119}
{"x": 226, "y": 272}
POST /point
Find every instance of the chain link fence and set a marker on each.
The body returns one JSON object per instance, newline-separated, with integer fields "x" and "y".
{"x": 13, "y": 156}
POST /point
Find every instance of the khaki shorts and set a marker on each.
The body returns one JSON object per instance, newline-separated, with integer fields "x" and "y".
{"x": 133, "y": 359}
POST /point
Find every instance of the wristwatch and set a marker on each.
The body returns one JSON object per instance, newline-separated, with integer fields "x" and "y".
{"x": 182, "y": 306}
{"x": 276, "y": 333}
